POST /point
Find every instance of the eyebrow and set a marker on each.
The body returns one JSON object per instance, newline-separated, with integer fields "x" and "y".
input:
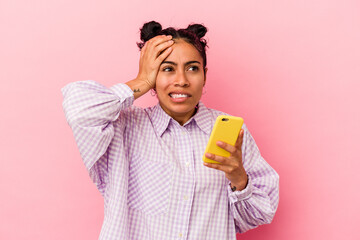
{"x": 173, "y": 63}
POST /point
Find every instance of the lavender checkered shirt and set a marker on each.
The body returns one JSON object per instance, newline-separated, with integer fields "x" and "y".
{"x": 150, "y": 172}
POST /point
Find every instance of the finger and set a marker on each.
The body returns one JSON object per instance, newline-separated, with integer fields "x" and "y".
{"x": 162, "y": 46}
{"x": 231, "y": 149}
{"x": 212, "y": 165}
{"x": 239, "y": 140}
{"x": 216, "y": 166}
{"x": 219, "y": 159}
{"x": 153, "y": 52}
{"x": 155, "y": 41}
{"x": 163, "y": 55}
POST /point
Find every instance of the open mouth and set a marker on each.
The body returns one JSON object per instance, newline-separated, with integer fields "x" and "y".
{"x": 179, "y": 95}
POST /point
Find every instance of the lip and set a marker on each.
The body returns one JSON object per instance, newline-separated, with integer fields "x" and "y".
{"x": 178, "y": 92}
{"x": 179, "y": 99}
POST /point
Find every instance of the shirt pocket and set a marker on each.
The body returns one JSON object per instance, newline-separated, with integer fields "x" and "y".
{"x": 149, "y": 186}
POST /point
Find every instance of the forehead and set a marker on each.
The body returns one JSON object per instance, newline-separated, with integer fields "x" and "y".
{"x": 184, "y": 52}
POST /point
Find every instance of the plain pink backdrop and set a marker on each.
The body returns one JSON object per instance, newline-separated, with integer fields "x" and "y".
{"x": 290, "y": 68}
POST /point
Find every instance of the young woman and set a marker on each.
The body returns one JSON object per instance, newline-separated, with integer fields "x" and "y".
{"x": 147, "y": 163}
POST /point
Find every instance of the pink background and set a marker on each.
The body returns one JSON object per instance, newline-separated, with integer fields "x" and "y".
{"x": 290, "y": 68}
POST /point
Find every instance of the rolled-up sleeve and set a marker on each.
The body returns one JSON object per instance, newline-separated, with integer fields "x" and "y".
{"x": 257, "y": 203}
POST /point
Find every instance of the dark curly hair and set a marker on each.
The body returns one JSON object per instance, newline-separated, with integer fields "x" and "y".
{"x": 193, "y": 34}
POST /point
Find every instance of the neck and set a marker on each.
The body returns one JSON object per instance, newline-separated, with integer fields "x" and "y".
{"x": 181, "y": 118}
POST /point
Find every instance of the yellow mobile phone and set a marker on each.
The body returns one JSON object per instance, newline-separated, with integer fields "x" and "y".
{"x": 226, "y": 129}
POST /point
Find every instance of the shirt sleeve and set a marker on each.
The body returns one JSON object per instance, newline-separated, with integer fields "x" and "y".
{"x": 90, "y": 109}
{"x": 257, "y": 203}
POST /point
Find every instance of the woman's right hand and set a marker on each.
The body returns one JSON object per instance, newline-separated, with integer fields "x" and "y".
{"x": 152, "y": 55}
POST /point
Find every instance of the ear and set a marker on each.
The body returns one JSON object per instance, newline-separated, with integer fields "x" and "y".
{"x": 205, "y": 71}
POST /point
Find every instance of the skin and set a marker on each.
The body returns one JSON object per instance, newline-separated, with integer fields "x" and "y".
{"x": 173, "y": 66}
{"x": 182, "y": 72}
{"x": 232, "y": 166}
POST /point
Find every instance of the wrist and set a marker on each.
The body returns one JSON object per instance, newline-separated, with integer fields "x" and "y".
{"x": 238, "y": 186}
{"x": 139, "y": 87}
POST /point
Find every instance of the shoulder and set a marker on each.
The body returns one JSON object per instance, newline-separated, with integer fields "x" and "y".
{"x": 209, "y": 112}
{"x": 135, "y": 115}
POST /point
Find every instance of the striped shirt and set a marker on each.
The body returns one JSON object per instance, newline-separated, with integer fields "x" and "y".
{"x": 150, "y": 172}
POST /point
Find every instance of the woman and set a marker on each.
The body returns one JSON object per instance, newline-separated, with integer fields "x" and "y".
{"x": 147, "y": 163}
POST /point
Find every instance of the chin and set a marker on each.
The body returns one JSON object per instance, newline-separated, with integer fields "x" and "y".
{"x": 182, "y": 109}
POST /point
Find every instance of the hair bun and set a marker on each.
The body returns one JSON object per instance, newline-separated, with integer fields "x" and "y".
{"x": 150, "y": 30}
{"x": 199, "y": 29}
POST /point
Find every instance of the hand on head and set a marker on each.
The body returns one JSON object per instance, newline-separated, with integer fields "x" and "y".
{"x": 152, "y": 55}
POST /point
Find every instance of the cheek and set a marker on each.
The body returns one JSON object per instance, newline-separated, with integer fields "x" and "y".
{"x": 161, "y": 84}
{"x": 200, "y": 91}
{"x": 198, "y": 83}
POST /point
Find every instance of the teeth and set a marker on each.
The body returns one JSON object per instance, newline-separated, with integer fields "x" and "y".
{"x": 178, "y": 95}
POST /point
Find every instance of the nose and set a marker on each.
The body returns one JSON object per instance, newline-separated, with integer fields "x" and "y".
{"x": 181, "y": 80}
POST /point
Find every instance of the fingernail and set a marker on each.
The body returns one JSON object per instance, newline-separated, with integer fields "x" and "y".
{"x": 171, "y": 41}
{"x": 208, "y": 155}
{"x": 169, "y": 36}
{"x": 220, "y": 143}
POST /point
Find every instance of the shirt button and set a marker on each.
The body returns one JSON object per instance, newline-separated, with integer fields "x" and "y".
{"x": 184, "y": 133}
{"x": 180, "y": 235}
{"x": 186, "y": 197}
{"x": 187, "y": 164}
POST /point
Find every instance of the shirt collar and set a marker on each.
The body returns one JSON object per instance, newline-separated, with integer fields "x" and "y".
{"x": 202, "y": 118}
{"x": 160, "y": 119}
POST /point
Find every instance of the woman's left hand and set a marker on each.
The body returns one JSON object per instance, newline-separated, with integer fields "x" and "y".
{"x": 232, "y": 166}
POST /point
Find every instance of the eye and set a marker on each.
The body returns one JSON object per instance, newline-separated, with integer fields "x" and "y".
{"x": 167, "y": 69}
{"x": 193, "y": 68}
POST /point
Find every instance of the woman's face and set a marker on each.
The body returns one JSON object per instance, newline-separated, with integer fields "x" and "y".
{"x": 180, "y": 81}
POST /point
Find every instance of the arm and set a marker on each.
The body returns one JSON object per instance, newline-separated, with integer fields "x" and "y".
{"x": 90, "y": 109}
{"x": 257, "y": 203}
{"x": 254, "y": 203}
